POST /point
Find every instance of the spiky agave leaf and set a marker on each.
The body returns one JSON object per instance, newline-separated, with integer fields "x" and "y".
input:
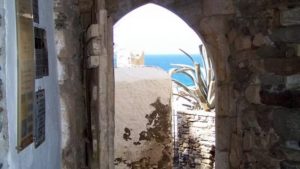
{"x": 191, "y": 58}
{"x": 207, "y": 65}
{"x": 182, "y": 65}
{"x": 202, "y": 86}
{"x": 182, "y": 96}
{"x": 188, "y": 90}
{"x": 211, "y": 95}
{"x": 189, "y": 73}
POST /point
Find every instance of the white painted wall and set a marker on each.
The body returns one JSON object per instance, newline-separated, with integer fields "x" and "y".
{"x": 3, "y": 113}
{"x": 48, "y": 155}
{"x": 136, "y": 88}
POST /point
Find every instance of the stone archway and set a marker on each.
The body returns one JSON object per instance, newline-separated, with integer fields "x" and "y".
{"x": 255, "y": 51}
{"x": 212, "y": 30}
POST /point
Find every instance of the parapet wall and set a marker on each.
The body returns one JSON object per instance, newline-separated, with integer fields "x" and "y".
{"x": 142, "y": 118}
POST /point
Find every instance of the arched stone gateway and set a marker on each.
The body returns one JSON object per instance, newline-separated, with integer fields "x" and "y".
{"x": 211, "y": 23}
{"x": 255, "y": 50}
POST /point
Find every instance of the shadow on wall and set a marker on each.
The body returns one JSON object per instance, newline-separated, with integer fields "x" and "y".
{"x": 156, "y": 137}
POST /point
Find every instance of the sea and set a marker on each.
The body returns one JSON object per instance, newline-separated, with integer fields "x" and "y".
{"x": 165, "y": 62}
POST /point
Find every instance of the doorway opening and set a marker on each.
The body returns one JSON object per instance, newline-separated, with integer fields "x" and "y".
{"x": 160, "y": 121}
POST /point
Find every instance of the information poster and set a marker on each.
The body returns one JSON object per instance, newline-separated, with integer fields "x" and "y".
{"x": 26, "y": 72}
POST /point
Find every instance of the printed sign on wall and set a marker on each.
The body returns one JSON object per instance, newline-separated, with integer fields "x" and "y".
{"x": 26, "y": 72}
{"x": 39, "y": 118}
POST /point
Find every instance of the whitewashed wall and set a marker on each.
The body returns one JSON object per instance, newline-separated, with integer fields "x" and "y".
{"x": 3, "y": 112}
{"x": 142, "y": 118}
{"x": 47, "y": 155}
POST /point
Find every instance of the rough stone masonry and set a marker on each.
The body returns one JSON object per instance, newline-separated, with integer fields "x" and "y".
{"x": 255, "y": 50}
{"x": 195, "y": 139}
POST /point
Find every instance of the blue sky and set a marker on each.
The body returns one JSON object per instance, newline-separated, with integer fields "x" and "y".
{"x": 154, "y": 30}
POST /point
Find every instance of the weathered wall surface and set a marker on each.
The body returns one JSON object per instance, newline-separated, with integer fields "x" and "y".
{"x": 143, "y": 118}
{"x": 3, "y": 112}
{"x": 68, "y": 34}
{"x": 255, "y": 49}
{"x": 195, "y": 139}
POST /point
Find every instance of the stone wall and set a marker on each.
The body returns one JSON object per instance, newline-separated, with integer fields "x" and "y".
{"x": 265, "y": 67}
{"x": 254, "y": 46}
{"x": 194, "y": 139}
{"x": 3, "y": 113}
{"x": 143, "y": 118}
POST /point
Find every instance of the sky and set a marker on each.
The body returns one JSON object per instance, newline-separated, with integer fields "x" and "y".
{"x": 154, "y": 30}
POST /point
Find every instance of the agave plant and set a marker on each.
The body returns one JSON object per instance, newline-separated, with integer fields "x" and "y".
{"x": 203, "y": 88}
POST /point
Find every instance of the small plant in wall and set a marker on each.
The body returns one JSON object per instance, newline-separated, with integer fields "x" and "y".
{"x": 202, "y": 92}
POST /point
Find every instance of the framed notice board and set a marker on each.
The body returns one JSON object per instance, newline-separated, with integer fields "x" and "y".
{"x": 26, "y": 73}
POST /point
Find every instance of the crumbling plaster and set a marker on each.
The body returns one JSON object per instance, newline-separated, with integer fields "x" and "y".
{"x": 142, "y": 118}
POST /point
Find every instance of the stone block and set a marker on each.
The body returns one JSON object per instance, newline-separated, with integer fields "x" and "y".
{"x": 232, "y": 35}
{"x": 284, "y": 66}
{"x": 286, "y": 34}
{"x": 85, "y": 5}
{"x": 269, "y": 51}
{"x": 290, "y": 165}
{"x": 290, "y": 17}
{"x": 248, "y": 141}
{"x": 293, "y": 82}
{"x": 252, "y": 94}
{"x": 217, "y": 45}
{"x": 235, "y": 155}
{"x": 287, "y": 98}
{"x": 260, "y": 40}
{"x": 293, "y": 145}
{"x": 92, "y": 32}
{"x": 214, "y": 25}
{"x": 94, "y": 47}
{"x": 224, "y": 101}
{"x": 93, "y": 62}
{"x": 271, "y": 80}
{"x": 224, "y": 128}
{"x": 218, "y": 7}
{"x": 296, "y": 49}
{"x": 242, "y": 43}
{"x": 222, "y": 160}
{"x": 290, "y": 153}
{"x": 286, "y": 124}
